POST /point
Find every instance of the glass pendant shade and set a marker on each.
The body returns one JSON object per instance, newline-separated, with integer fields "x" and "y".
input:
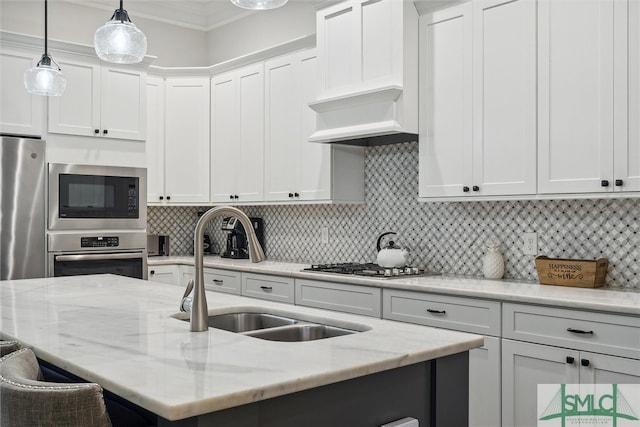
{"x": 120, "y": 41}
{"x": 45, "y": 79}
{"x": 259, "y": 4}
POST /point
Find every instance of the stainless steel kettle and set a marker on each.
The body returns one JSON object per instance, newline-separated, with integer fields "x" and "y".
{"x": 391, "y": 256}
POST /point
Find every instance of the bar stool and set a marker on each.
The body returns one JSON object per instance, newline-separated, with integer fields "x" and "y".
{"x": 7, "y": 347}
{"x": 26, "y": 400}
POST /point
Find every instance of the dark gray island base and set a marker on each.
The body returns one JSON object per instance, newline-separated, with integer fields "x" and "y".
{"x": 434, "y": 392}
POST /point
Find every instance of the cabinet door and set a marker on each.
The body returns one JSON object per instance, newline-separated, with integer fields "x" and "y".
{"x": 283, "y": 135}
{"x": 526, "y": 365}
{"x": 20, "y": 112}
{"x": 77, "y": 111}
{"x": 627, "y": 140}
{"x": 504, "y": 97}
{"x": 224, "y": 138}
{"x": 484, "y": 384}
{"x": 575, "y": 95}
{"x": 187, "y": 139}
{"x": 315, "y": 170}
{"x": 155, "y": 139}
{"x": 598, "y": 368}
{"x": 445, "y": 157}
{"x": 249, "y": 147}
{"x": 124, "y": 103}
{"x": 338, "y": 46}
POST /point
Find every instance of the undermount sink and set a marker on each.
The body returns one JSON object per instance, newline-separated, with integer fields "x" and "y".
{"x": 301, "y": 332}
{"x": 274, "y": 327}
{"x": 243, "y": 322}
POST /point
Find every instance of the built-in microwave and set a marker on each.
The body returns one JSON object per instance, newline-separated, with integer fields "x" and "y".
{"x": 92, "y": 197}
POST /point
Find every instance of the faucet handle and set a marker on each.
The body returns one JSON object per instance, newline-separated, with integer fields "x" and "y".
{"x": 185, "y": 303}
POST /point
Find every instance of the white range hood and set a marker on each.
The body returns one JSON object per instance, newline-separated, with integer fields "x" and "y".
{"x": 368, "y": 73}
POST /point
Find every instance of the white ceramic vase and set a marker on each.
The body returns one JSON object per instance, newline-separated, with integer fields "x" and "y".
{"x": 493, "y": 262}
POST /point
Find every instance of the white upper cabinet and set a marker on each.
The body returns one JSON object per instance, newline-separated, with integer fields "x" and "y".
{"x": 367, "y": 70}
{"x": 295, "y": 169}
{"x": 155, "y": 139}
{"x": 100, "y": 101}
{"x": 446, "y": 138}
{"x": 186, "y": 140}
{"x": 478, "y": 99}
{"x": 237, "y": 138}
{"x": 20, "y": 112}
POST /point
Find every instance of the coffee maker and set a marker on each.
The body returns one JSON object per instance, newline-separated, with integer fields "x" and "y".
{"x": 236, "y": 246}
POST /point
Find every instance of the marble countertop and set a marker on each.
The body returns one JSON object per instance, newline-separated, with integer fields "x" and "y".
{"x": 616, "y": 300}
{"x": 119, "y": 332}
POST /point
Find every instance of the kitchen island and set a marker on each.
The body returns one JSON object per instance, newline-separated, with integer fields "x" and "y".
{"x": 123, "y": 334}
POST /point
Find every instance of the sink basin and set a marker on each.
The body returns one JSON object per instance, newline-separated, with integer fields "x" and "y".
{"x": 301, "y": 332}
{"x": 243, "y": 322}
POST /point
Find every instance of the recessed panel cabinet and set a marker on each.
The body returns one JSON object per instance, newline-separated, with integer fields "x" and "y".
{"x": 296, "y": 169}
{"x": 237, "y": 135}
{"x": 20, "y": 112}
{"x": 100, "y": 101}
{"x": 178, "y": 142}
{"x": 478, "y": 98}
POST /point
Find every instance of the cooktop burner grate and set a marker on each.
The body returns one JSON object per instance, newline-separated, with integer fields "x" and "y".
{"x": 368, "y": 270}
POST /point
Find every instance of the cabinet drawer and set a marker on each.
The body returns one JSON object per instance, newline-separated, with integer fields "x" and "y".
{"x": 442, "y": 311}
{"x": 339, "y": 297}
{"x": 274, "y": 288}
{"x": 582, "y": 330}
{"x": 222, "y": 280}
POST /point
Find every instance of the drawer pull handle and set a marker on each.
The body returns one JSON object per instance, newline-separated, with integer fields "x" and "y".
{"x": 585, "y": 362}
{"x": 218, "y": 281}
{"x": 570, "y": 360}
{"x": 429, "y": 310}
{"x": 579, "y": 331}
{"x": 266, "y": 288}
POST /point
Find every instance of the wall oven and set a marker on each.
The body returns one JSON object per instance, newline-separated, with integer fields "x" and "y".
{"x": 121, "y": 253}
{"x": 91, "y": 197}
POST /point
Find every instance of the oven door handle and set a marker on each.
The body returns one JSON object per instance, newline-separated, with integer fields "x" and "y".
{"x": 98, "y": 257}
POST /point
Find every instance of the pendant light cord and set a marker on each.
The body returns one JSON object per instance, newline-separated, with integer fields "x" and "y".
{"x": 45, "y": 28}
{"x": 121, "y": 14}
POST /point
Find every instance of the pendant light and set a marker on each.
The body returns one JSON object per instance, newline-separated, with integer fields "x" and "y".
{"x": 259, "y": 4}
{"x": 119, "y": 40}
{"x": 45, "y": 78}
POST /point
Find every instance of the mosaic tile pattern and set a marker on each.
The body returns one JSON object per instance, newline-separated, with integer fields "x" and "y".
{"x": 444, "y": 237}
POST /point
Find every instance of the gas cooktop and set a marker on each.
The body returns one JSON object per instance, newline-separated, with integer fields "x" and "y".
{"x": 368, "y": 270}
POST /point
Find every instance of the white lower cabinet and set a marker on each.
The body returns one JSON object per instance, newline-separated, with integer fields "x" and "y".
{"x": 226, "y": 281}
{"x": 264, "y": 286}
{"x": 561, "y": 351}
{"x": 461, "y": 314}
{"x": 165, "y": 274}
{"x": 354, "y": 299}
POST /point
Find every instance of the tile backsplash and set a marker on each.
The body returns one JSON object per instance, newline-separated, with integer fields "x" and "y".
{"x": 444, "y": 237}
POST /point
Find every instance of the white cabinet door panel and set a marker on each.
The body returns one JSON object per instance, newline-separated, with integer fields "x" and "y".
{"x": 338, "y": 39}
{"x": 445, "y": 125}
{"x": 484, "y": 384}
{"x": 224, "y": 125}
{"x": 504, "y": 73}
{"x": 575, "y": 121}
{"x": 20, "y": 112}
{"x": 123, "y": 104}
{"x": 627, "y": 148}
{"x": 155, "y": 139}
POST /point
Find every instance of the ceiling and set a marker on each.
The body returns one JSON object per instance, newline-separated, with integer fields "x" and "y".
{"x": 201, "y": 15}
{"x": 205, "y": 15}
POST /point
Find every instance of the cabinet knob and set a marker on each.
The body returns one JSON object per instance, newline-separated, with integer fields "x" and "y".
{"x": 296, "y": 195}
{"x": 168, "y": 197}
{"x": 570, "y": 360}
{"x": 465, "y": 189}
{"x": 96, "y": 131}
{"x": 604, "y": 183}
{"x": 585, "y": 362}
{"x": 161, "y": 197}
{"x": 231, "y": 196}
{"x": 619, "y": 183}
{"x": 236, "y": 197}
{"x": 152, "y": 272}
{"x": 106, "y": 131}
{"x": 476, "y": 188}
{"x": 290, "y": 195}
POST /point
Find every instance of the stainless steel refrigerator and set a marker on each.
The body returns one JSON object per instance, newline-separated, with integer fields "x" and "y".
{"x": 22, "y": 207}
